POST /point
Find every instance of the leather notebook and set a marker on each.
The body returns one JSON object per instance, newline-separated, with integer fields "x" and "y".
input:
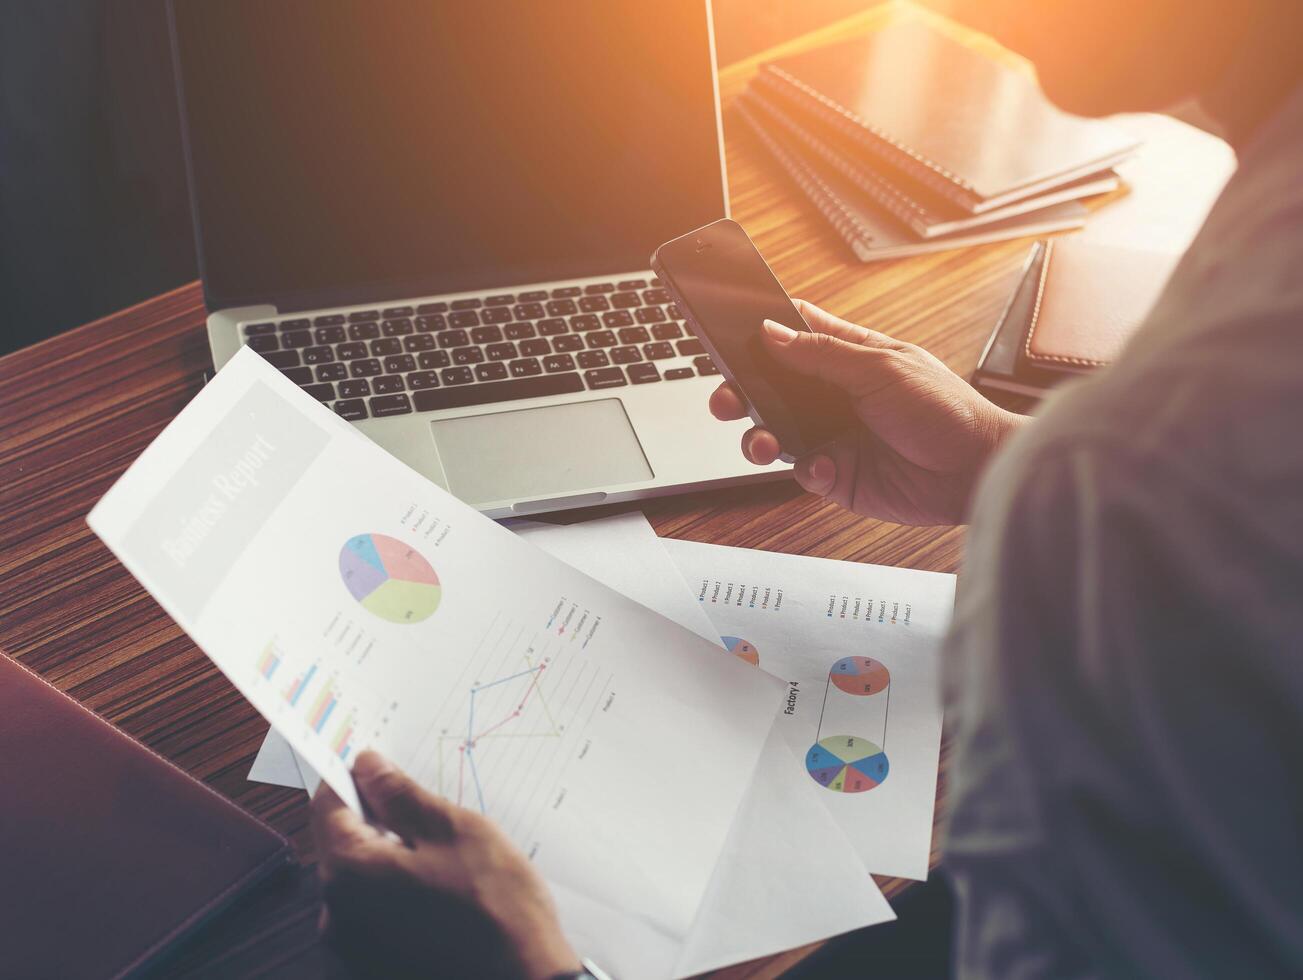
{"x": 977, "y": 132}
{"x": 871, "y": 233}
{"x": 108, "y": 852}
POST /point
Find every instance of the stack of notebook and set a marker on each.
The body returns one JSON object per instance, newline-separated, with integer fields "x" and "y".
{"x": 908, "y": 141}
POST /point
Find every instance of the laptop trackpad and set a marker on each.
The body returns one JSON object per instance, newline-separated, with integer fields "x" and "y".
{"x": 533, "y": 452}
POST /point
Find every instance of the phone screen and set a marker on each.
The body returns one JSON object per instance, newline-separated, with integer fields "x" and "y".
{"x": 727, "y": 291}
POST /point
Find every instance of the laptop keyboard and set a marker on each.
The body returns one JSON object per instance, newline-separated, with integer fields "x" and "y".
{"x": 396, "y": 360}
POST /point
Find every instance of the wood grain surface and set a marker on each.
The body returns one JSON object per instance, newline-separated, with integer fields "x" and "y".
{"x": 77, "y": 409}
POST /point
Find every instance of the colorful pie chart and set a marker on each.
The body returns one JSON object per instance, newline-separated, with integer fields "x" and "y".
{"x": 742, "y": 649}
{"x": 859, "y": 676}
{"x": 846, "y": 764}
{"x": 389, "y": 579}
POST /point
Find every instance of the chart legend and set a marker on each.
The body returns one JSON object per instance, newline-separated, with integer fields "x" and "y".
{"x": 389, "y": 579}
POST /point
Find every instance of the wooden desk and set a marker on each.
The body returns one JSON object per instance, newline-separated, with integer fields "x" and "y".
{"x": 75, "y": 410}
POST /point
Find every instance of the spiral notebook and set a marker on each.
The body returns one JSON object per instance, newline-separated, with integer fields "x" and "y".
{"x": 978, "y": 133}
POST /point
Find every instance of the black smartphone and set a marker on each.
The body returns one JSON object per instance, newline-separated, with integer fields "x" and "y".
{"x": 726, "y": 290}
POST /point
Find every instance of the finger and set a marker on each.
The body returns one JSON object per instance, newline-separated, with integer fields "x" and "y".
{"x": 816, "y": 473}
{"x": 760, "y": 446}
{"x": 398, "y": 803}
{"x": 726, "y": 404}
{"x": 336, "y": 829}
{"x": 821, "y": 321}
{"x": 854, "y": 368}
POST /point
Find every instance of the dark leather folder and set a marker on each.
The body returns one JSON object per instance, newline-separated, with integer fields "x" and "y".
{"x": 108, "y": 852}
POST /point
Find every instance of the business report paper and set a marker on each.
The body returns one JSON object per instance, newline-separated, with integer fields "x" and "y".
{"x": 858, "y": 647}
{"x": 357, "y": 605}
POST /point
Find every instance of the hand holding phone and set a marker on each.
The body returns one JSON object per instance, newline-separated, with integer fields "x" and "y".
{"x": 726, "y": 291}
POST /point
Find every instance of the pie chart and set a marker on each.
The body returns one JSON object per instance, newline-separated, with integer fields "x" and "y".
{"x": 742, "y": 649}
{"x": 859, "y": 676}
{"x": 389, "y": 579}
{"x": 846, "y": 764}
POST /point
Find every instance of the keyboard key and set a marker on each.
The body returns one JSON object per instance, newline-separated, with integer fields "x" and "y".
{"x": 502, "y": 299}
{"x": 328, "y": 320}
{"x": 282, "y": 358}
{"x": 656, "y": 281}
{"x": 673, "y": 311}
{"x": 525, "y": 368}
{"x": 466, "y": 318}
{"x": 332, "y": 372}
{"x": 354, "y": 389}
{"x": 361, "y": 316}
{"x": 399, "y": 364}
{"x": 594, "y": 304}
{"x": 428, "y": 324}
{"x": 675, "y": 374}
{"x": 565, "y": 292}
{"x": 632, "y": 284}
{"x": 641, "y": 374}
{"x": 366, "y": 368}
{"x": 690, "y": 346}
{"x": 599, "y": 287}
{"x": 558, "y": 362}
{"x": 387, "y": 405}
{"x": 386, "y": 345}
{"x": 494, "y": 371}
{"x": 519, "y": 331}
{"x": 569, "y": 342}
{"x": 256, "y": 329}
{"x": 496, "y": 314}
{"x": 654, "y": 297}
{"x": 585, "y": 321}
{"x": 351, "y": 410}
{"x": 397, "y": 311}
{"x": 298, "y": 323}
{"x": 432, "y": 308}
{"x": 487, "y": 335}
{"x": 611, "y": 377}
{"x": 297, "y": 338}
{"x": 434, "y": 359}
{"x": 625, "y": 300}
{"x": 592, "y": 359}
{"x": 474, "y": 303}
{"x": 423, "y": 379}
{"x": 386, "y": 384}
{"x": 532, "y": 296}
{"x": 454, "y": 338}
{"x": 625, "y": 355}
{"x": 299, "y": 375}
{"x": 649, "y": 314}
{"x": 363, "y": 331}
{"x": 617, "y": 318}
{"x": 551, "y": 327}
{"x": 658, "y": 351}
{"x": 666, "y": 331}
{"x": 467, "y": 355}
{"x": 418, "y": 342}
{"x": 501, "y": 391}
{"x": 601, "y": 338}
{"x": 535, "y": 348}
{"x": 528, "y": 311}
{"x": 501, "y": 352}
{"x": 329, "y": 335}
{"x": 324, "y": 392}
{"x": 704, "y": 366}
{"x": 561, "y": 307}
{"x": 263, "y": 343}
{"x": 634, "y": 335}
{"x": 318, "y": 355}
{"x": 396, "y": 328}
{"x": 456, "y": 376}
{"x": 347, "y": 352}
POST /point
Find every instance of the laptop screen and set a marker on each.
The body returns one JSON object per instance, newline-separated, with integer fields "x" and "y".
{"x": 355, "y": 151}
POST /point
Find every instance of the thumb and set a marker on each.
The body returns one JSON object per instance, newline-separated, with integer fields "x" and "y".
{"x": 398, "y": 802}
{"x": 854, "y": 368}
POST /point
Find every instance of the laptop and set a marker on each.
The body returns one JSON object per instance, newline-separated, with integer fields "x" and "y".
{"x": 436, "y": 217}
